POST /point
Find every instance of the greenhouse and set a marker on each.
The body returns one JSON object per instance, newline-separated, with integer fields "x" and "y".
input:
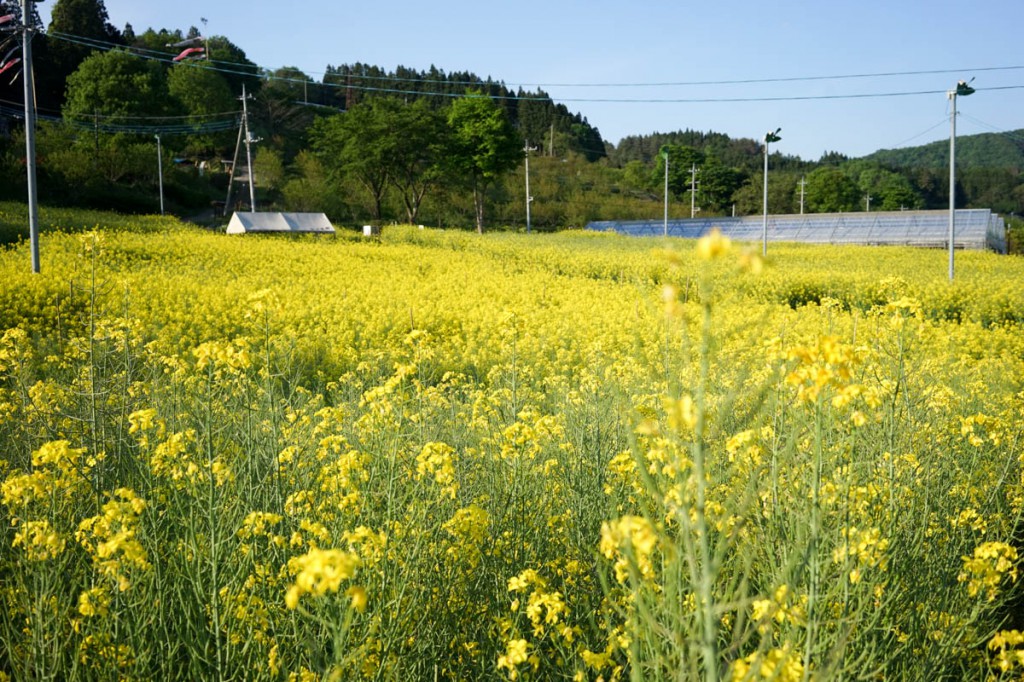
{"x": 244, "y": 222}
{"x": 976, "y": 228}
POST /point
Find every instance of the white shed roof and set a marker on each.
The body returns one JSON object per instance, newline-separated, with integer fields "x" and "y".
{"x": 267, "y": 221}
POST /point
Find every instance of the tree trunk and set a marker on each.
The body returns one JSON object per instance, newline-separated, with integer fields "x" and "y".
{"x": 478, "y": 204}
{"x": 413, "y": 199}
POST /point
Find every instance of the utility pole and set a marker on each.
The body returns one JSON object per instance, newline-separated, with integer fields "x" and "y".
{"x": 962, "y": 89}
{"x": 693, "y": 190}
{"x": 30, "y": 133}
{"x": 231, "y": 175}
{"x": 248, "y": 151}
{"x": 867, "y": 203}
{"x": 160, "y": 171}
{"x": 551, "y": 143}
{"x": 526, "y": 150}
{"x": 803, "y": 182}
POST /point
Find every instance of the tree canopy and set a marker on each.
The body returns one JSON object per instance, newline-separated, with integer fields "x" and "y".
{"x": 117, "y": 84}
{"x": 484, "y": 145}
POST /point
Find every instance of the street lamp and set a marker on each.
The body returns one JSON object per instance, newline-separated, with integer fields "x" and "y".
{"x": 664, "y": 153}
{"x": 962, "y": 89}
{"x": 768, "y": 139}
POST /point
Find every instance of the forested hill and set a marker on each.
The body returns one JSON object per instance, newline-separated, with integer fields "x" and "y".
{"x": 987, "y": 150}
{"x": 741, "y": 153}
{"x": 539, "y": 120}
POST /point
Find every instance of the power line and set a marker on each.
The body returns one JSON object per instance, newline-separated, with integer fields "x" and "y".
{"x": 176, "y": 129}
{"x": 526, "y": 84}
{"x": 1012, "y": 136}
{"x": 621, "y": 100}
{"x": 191, "y": 117}
{"x": 922, "y": 133}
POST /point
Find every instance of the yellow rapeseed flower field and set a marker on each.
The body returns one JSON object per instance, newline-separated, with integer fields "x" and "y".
{"x": 437, "y": 455}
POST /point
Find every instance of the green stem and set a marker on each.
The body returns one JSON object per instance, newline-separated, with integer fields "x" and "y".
{"x": 709, "y": 633}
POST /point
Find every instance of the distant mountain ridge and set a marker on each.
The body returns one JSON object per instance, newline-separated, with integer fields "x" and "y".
{"x": 984, "y": 150}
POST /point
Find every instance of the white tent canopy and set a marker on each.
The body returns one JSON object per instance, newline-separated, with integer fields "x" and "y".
{"x": 267, "y": 221}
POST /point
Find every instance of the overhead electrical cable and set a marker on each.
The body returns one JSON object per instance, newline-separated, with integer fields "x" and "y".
{"x": 264, "y": 75}
{"x": 942, "y": 121}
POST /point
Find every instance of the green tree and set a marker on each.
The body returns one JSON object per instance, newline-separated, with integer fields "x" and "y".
{"x": 895, "y": 193}
{"x": 73, "y": 24}
{"x": 269, "y": 168}
{"x": 117, "y": 84}
{"x": 637, "y": 177}
{"x": 484, "y": 146}
{"x": 749, "y": 198}
{"x": 681, "y": 158}
{"x": 311, "y": 189}
{"x": 281, "y": 113}
{"x": 718, "y": 183}
{"x": 201, "y": 94}
{"x": 357, "y": 144}
{"x": 418, "y": 152}
{"x": 830, "y": 190}
{"x": 236, "y": 67}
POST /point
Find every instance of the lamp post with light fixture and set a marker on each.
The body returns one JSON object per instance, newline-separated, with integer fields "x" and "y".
{"x": 962, "y": 89}
{"x": 768, "y": 139}
{"x": 664, "y": 153}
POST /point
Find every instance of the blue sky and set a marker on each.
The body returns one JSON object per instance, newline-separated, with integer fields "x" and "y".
{"x": 583, "y": 52}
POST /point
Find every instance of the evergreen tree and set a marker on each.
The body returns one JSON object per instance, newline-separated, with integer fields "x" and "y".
{"x": 77, "y": 29}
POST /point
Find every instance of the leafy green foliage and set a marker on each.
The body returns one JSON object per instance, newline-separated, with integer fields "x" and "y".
{"x": 830, "y": 190}
{"x": 117, "y": 84}
{"x": 484, "y": 145}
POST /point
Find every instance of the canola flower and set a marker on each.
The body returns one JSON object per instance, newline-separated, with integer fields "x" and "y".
{"x": 482, "y": 453}
{"x": 39, "y": 540}
{"x": 319, "y": 572}
{"x": 111, "y": 539}
{"x": 776, "y": 664}
{"x": 985, "y": 571}
{"x": 631, "y": 541}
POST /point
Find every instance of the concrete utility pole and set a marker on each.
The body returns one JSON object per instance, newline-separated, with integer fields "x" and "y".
{"x": 30, "y": 132}
{"x": 160, "y": 171}
{"x": 248, "y": 150}
{"x": 803, "y": 182}
{"x": 963, "y": 89}
{"x": 231, "y": 175}
{"x": 867, "y": 203}
{"x": 529, "y": 199}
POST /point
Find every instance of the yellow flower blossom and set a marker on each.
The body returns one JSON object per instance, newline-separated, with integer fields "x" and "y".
{"x": 985, "y": 571}
{"x": 319, "y": 572}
